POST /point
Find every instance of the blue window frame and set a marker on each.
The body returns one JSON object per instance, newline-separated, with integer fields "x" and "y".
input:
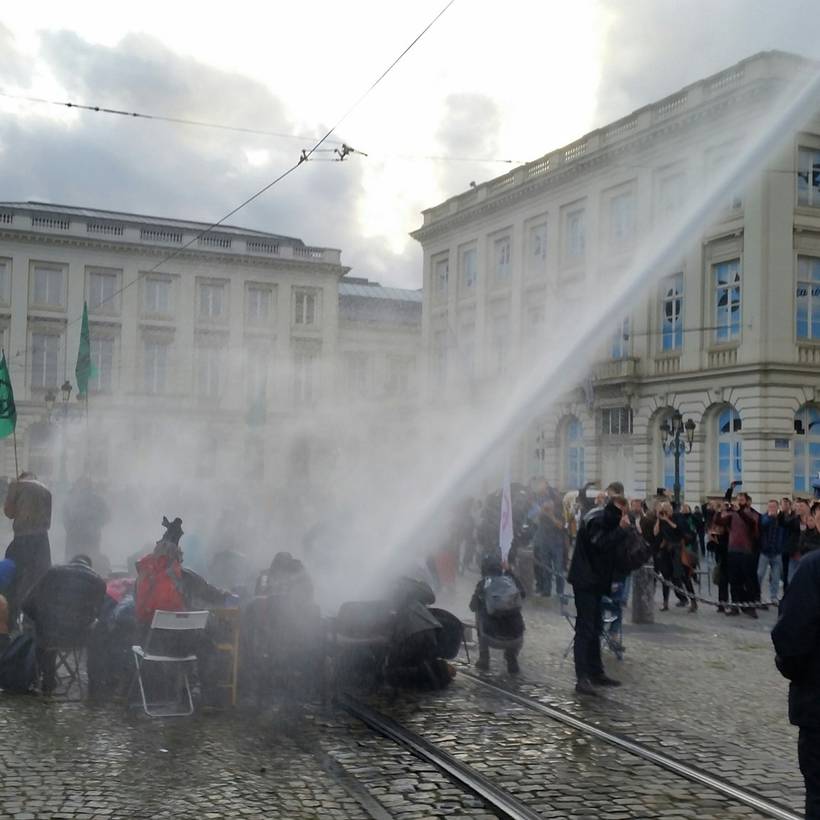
{"x": 729, "y": 448}
{"x": 619, "y": 344}
{"x": 574, "y": 454}
{"x": 806, "y": 448}
{"x": 672, "y": 313}
{"x": 807, "y": 298}
{"x": 727, "y": 282}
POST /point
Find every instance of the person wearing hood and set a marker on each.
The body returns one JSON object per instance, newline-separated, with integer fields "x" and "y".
{"x": 163, "y": 583}
{"x": 28, "y": 505}
{"x": 607, "y": 542}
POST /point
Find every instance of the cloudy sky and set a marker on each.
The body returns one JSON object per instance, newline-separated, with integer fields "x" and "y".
{"x": 489, "y": 81}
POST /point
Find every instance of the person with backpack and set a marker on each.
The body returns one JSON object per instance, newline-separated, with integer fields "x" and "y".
{"x": 497, "y": 603}
{"x": 607, "y": 543}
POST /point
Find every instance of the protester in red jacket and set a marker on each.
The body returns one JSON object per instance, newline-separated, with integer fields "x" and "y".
{"x": 743, "y": 525}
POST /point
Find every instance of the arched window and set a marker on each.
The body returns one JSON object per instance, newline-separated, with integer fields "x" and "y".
{"x": 806, "y": 447}
{"x": 729, "y": 448}
{"x": 574, "y": 454}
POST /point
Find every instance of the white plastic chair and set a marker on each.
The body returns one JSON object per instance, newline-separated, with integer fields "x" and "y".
{"x": 175, "y": 623}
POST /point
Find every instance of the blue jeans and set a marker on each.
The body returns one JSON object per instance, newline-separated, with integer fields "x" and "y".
{"x": 619, "y": 598}
{"x": 774, "y": 563}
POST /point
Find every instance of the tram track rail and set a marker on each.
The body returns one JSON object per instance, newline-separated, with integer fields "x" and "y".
{"x": 720, "y": 785}
{"x": 500, "y": 801}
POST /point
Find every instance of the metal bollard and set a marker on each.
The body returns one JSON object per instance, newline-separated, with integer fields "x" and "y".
{"x": 643, "y": 596}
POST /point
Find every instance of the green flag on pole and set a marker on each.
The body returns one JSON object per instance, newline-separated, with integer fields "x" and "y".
{"x": 84, "y": 370}
{"x": 8, "y": 410}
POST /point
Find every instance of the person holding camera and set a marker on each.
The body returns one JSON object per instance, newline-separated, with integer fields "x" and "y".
{"x": 742, "y": 523}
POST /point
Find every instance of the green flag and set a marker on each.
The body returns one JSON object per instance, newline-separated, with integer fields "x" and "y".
{"x": 84, "y": 370}
{"x": 8, "y": 410}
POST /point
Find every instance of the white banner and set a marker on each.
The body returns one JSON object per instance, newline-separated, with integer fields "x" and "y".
{"x": 505, "y": 527}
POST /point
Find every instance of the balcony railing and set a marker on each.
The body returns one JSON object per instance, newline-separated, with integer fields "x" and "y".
{"x": 617, "y": 369}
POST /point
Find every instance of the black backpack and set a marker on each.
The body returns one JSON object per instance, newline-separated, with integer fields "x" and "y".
{"x": 18, "y": 665}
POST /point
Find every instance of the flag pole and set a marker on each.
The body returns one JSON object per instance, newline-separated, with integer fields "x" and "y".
{"x": 16, "y": 465}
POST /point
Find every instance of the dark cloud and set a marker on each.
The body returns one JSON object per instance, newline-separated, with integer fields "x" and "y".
{"x": 654, "y": 47}
{"x": 469, "y": 128}
{"x": 188, "y": 172}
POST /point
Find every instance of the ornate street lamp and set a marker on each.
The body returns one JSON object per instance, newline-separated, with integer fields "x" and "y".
{"x": 672, "y": 444}
{"x": 66, "y": 390}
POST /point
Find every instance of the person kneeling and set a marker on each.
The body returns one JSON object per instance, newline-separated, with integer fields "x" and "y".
{"x": 497, "y": 606}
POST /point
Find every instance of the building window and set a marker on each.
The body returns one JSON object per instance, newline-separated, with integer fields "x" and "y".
{"x": 156, "y": 296}
{"x": 727, "y": 300}
{"x": 258, "y": 301}
{"x": 500, "y": 342}
{"x": 45, "y": 358}
{"x": 441, "y": 276}
{"x": 102, "y": 363}
{"x": 399, "y": 375}
{"x": 440, "y": 358}
{"x": 729, "y": 448}
{"x": 304, "y": 305}
{"x": 48, "y": 287}
{"x": 619, "y": 344}
{"x": 537, "y": 245}
{"x": 5, "y": 280}
{"x": 501, "y": 254}
{"x": 102, "y": 291}
{"x": 466, "y": 347}
{"x": 671, "y": 194}
{"x": 358, "y": 374}
{"x": 256, "y": 373}
{"x": 305, "y": 376}
{"x": 536, "y": 317}
{"x": 717, "y": 160}
{"x": 469, "y": 270}
{"x": 622, "y": 218}
{"x": 155, "y": 354}
{"x": 807, "y": 298}
{"x": 808, "y": 177}
{"x": 210, "y": 369}
{"x": 672, "y": 313}
{"x": 576, "y": 235}
{"x": 212, "y": 305}
{"x": 806, "y": 448}
{"x": 574, "y": 476}
{"x": 616, "y": 421}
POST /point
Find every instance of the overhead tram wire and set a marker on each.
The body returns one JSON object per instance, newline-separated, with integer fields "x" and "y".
{"x": 304, "y": 157}
{"x": 99, "y": 109}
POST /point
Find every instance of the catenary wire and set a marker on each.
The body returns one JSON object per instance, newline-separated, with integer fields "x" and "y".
{"x": 305, "y": 156}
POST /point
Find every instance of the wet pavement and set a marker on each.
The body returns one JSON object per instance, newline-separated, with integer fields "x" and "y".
{"x": 699, "y": 687}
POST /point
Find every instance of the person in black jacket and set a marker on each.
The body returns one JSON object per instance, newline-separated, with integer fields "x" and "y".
{"x": 607, "y": 542}
{"x": 796, "y": 638}
{"x": 63, "y": 604}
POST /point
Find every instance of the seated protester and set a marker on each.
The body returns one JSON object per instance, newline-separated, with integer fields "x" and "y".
{"x": 287, "y": 576}
{"x": 7, "y": 569}
{"x": 63, "y": 604}
{"x": 163, "y": 583}
{"x": 496, "y": 602}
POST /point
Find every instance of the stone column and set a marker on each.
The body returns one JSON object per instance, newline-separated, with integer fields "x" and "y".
{"x": 643, "y": 595}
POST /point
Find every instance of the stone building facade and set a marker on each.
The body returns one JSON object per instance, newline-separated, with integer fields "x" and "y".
{"x": 727, "y": 333}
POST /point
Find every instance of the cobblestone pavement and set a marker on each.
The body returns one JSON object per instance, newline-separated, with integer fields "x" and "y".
{"x": 701, "y": 687}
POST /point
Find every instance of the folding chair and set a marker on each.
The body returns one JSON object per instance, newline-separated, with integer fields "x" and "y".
{"x": 66, "y": 667}
{"x": 177, "y": 657}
